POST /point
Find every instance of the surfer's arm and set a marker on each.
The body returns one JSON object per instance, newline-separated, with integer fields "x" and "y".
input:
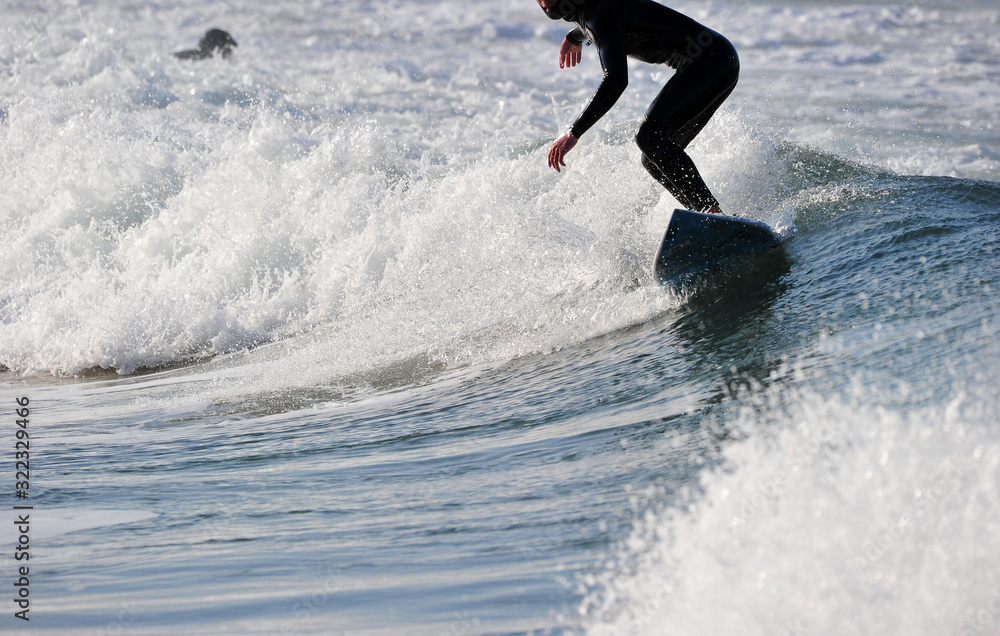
{"x": 577, "y": 37}
{"x": 571, "y": 51}
{"x": 607, "y": 30}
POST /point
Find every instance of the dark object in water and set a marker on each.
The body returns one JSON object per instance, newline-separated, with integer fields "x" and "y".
{"x": 212, "y": 40}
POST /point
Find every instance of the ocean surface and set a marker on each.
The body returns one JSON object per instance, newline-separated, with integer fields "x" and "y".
{"x": 311, "y": 341}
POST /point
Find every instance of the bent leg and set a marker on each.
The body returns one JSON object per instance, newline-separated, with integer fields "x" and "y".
{"x": 678, "y": 114}
{"x": 681, "y": 178}
{"x": 694, "y": 93}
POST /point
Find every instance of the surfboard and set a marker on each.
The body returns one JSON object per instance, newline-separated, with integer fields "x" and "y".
{"x": 695, "y": 243}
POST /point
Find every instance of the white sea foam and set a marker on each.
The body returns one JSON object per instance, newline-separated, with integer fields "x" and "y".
{"x": 835, "y": 514}
{"x": 377, "y": 173}
{"x": 52, "y": 522}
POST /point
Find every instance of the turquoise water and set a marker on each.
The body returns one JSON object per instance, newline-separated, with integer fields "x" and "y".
{"x": 316, "y": 344}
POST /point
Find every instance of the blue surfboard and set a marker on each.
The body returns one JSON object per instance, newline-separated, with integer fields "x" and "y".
{"x": 695, "y": 243}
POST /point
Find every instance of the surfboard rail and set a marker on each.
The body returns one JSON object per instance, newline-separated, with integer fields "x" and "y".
{"x": 695, "y": 242}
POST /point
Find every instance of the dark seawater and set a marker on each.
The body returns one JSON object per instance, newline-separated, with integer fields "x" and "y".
{"x": 495, "y": 498}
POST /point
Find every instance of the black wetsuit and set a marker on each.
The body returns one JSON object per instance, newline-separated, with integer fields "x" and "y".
{"x": 707, "y": 69}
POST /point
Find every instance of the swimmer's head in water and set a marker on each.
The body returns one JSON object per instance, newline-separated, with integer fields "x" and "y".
{"x": 213, "y": 40}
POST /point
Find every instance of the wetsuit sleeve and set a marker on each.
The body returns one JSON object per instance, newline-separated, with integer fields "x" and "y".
{"x": 605, "y": 24}
{"x": 576, "y": 36}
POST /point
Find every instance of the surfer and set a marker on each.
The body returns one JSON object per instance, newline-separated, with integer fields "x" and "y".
{"x": 706, "y": 66}
{"x": 213, "y": 40}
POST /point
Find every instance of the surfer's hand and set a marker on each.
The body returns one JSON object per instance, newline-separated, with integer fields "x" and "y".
{"x": 559, "y": 149}
{"x": 569, "y": 54}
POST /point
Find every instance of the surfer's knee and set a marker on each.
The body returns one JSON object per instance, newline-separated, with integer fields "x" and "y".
{"x": 645, "y": 138}
{"x": 654, "y": 143}
{"x": 727, "y": 62}
{"x": 734, "y": 60}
